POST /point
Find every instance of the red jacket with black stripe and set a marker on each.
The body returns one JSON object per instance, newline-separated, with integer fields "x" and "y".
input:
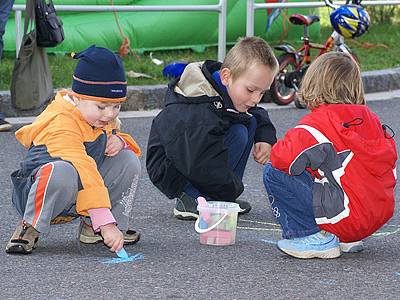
{"x": 352, "y": 158}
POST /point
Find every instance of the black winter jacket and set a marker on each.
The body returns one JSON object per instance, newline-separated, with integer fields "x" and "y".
{"x": 186, "y": 142}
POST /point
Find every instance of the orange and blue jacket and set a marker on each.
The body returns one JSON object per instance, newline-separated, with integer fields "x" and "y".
{"x": 61, "y": 133}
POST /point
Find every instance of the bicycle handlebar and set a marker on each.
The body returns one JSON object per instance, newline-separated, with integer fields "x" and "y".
{"x": 334, "y": 6}
{"x": 330, "y": 3}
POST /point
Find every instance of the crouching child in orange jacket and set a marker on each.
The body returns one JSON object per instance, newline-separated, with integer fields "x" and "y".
{"x": 78, "y": 162}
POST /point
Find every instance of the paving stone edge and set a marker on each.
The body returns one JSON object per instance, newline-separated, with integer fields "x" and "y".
{"x": 152, "y": 96}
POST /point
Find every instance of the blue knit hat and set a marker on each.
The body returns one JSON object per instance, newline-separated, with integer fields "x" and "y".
{"x": 99, "y": 75}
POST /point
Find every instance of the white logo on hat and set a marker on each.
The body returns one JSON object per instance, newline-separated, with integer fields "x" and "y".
{"x": 116, "y": 91}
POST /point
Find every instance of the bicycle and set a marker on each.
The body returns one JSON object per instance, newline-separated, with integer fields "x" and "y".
{"x": 293, "y": 63}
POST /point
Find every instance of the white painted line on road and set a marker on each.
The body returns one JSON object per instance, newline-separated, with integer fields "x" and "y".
{"x": 382, "y": 96}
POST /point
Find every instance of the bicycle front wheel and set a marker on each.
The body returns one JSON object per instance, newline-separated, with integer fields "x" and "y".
{"x": 279, "y": 92}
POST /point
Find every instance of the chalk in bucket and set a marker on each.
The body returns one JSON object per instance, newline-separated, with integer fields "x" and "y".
{"x": 217, "y": 222}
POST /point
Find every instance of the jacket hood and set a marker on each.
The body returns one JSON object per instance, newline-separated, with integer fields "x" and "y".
{"x": 193, "y": 82}
{"x": 361, "y": 131}
{"x": 197, "y": 85}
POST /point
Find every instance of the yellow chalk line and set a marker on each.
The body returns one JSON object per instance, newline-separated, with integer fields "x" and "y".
{"x": 277, "y": 225}
{"x": 385, "y": 233}
{"x": 259, "y": 222}
{"x": 259, "y": 229}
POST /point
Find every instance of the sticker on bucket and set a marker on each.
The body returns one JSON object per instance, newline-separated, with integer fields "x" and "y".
{"x": 217, "y": 222}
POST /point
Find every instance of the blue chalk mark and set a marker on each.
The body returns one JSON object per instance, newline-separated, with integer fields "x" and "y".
{"x": 269, "y": 242}
{"x": 138, "y": 256}
{"x": 397, "y": 273}
{"x": 122, "y": 253}
{"x": 328, "y": 281}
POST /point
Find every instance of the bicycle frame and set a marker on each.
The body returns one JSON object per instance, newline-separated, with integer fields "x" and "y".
{"x": 335, "y": 42}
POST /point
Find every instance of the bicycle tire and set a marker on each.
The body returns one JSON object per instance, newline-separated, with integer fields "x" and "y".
{"x": 279, "y": 92}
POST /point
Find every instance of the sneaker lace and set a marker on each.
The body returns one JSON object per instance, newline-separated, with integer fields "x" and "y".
{"x": 317, "y": 238}
{"x": 25, "y": 227}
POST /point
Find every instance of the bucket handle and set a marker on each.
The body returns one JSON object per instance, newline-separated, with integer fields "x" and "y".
{"x": 199, "y": 230}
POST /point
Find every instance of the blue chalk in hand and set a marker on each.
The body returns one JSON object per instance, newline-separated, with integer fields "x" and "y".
{"x": 122, "y": 253}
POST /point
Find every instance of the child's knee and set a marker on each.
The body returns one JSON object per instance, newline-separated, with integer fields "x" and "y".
{"x": 241, "y": 135}
{"x": 266, "y": 173}
{"x": 131, "y": 163}
{"x": 63, "y": 176}
{"x": 271, "y": 175}
{"x": 252, "y": 124}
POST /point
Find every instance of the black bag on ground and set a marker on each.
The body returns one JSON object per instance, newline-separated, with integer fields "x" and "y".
{"x": 49, "y": 31}
{"x": 31, "y": 84}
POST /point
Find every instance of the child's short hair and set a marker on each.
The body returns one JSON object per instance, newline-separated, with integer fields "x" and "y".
{"x": 333, "y": 78}
{"x": 247, "y": 52}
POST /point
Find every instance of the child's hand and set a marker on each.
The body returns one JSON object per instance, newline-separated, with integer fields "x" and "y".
{"x": 261, "y": 152}
{"x": 114, "y": 145}
{"x": 112, "y": 237}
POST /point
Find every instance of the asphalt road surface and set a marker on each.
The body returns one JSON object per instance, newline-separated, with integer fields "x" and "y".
{"x": 170, "y": 263}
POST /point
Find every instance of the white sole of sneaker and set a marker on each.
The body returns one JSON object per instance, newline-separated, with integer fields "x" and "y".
{"x": 183, "y": 215}
{"x": 331, "y": 253}
{"x": 353, "y": 247}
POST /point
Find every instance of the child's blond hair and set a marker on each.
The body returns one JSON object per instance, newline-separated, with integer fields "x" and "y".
{"x": 333, "y": 78}
{"x": 247, "y": 52}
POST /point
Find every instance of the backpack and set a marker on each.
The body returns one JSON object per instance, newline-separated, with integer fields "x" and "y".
{"x": 49, "y": 31}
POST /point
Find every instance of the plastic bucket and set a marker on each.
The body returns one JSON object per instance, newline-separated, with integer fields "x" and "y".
{"x": 217, "y": 223}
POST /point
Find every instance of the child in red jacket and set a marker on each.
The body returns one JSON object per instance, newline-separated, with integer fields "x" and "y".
{"x": 331, "y": 178}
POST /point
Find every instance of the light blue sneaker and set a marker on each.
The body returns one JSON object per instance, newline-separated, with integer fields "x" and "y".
{"x": 318, "y": 245}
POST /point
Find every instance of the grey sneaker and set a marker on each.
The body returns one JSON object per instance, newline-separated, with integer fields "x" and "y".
{"x": 24, "y": 240}
{"x": 186, "y": 208}
{"x": 88, "y": 236}
{"x": 352, "y": 247}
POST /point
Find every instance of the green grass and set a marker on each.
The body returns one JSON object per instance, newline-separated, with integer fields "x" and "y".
{"x": 373, "y": 58}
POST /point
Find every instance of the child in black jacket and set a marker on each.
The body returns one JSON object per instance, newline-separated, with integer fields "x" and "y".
{"x": 200, "y": 142}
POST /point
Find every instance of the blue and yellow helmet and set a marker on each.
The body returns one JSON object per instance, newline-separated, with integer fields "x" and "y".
{"x": 350, "y": 21}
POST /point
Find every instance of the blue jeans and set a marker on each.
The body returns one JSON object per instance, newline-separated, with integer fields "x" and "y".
{"x": 291, "y": 202}
{"x": 239, "y": 139}
{"x": 5, "y": 9}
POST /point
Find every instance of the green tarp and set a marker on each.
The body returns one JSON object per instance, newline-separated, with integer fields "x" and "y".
{"x": 161, "y": 30}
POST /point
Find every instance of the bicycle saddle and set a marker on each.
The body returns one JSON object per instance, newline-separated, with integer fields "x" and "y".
{"x": 298, "y": 19}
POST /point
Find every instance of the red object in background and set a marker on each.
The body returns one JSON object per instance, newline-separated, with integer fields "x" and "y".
{"x": 269, "y": 10}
